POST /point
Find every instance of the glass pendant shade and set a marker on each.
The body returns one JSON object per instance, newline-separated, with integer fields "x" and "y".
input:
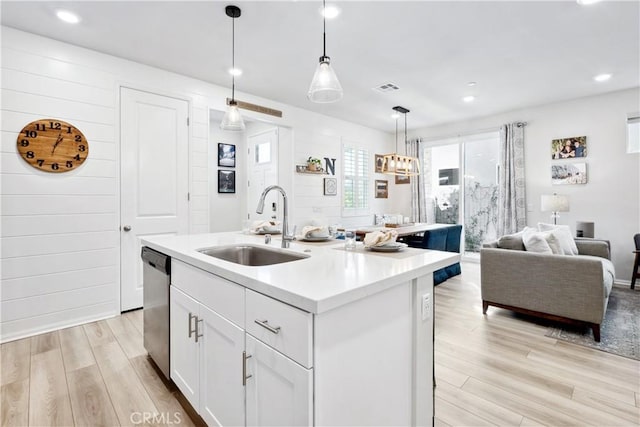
{"x": 232, "y": 119}
{"x": 325, "y": 86}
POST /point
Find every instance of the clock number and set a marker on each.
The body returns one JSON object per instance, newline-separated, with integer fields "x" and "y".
{"x": 78, "y": 138}
{"x": 30, "y": 133}
{"x": 69, "y": 164}
{"x": 68, "y": 129}
{"x": 55, "y": 125}
{"x": 55, "y": 166}
{"x": 40, "y": 126}
{"x": 40, "y": 162}
{"x": 24, "y": 143}
{"x": 30, "y": 155}
{"x": 77, "y": 157}
{"x": 81, "y": 148}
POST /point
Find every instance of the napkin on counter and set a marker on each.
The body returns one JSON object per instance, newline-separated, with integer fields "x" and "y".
{"x": 314, "y": 231}
{"x": 265, "y": 226}
{"x": 380, "y": 238}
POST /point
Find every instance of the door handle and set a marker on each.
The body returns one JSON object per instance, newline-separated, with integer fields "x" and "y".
{"x": 191, "y": 331}
{"x": 198, "y": 334}
{"x": 127, "y": 228}
{"x": 245, "y": 377}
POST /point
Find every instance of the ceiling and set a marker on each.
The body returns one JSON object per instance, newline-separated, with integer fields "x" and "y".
{"x": 521, "y": 54}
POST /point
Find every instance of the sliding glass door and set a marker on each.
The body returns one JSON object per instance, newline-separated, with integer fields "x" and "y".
{"x": 461, "y": 185}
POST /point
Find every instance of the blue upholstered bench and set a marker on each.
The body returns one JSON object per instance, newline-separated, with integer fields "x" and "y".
{"x": 441, "y": 239}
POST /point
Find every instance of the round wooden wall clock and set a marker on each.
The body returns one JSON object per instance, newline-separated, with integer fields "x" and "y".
{"x": 52, "y": 145}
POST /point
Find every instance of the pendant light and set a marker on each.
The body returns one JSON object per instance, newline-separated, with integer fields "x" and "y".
{"x": 398, "y": 164}
{"x": 232, "y": 119}
{"x": 325, "y": 86}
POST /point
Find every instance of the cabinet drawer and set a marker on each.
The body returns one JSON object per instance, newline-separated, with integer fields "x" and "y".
{"x": 283, "y": 327}
{"x": 220, "y": 295}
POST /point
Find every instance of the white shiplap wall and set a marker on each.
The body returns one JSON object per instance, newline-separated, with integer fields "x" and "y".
{"x": 60, "y": 254}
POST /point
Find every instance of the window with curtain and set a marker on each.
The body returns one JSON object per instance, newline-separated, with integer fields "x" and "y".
{"x": 355, "y": 191}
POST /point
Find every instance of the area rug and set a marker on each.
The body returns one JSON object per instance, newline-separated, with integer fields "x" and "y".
{"x": 620, "y": 331}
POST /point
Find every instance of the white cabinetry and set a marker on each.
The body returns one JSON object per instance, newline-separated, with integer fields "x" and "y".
{"x": 210, "y": 354}
{"x": 279, "y": 391}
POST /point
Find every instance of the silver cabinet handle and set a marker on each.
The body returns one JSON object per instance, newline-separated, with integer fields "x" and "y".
{"x": 265, "y": 324}
{"x": 245, "y": 377}
{"x": 127, "y": 228}
{"x": 198, "y": 334}
{"x": 191, "y": 317}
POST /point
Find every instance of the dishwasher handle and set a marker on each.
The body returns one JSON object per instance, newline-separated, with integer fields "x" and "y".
{"x": 156, "y": 260}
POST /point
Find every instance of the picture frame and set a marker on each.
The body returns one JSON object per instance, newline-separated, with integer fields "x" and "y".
{"x": 226, "y": 181}
{"x": 382, "y": 189}
{"x": 330, "y": 186}
{"x": 378, "y": 162}
{"x": 569, "y": 148}
{"x": 226, "y": 155}
{"x": 402, "y": 179}
{"x": 569, "y": 174}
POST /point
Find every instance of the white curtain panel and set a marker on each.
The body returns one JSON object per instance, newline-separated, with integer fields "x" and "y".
{"x": 418, "y": 196}
{"x": 512, "y": 210}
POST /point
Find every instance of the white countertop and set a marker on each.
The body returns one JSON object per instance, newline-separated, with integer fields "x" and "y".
{"x": 328, "y": 278}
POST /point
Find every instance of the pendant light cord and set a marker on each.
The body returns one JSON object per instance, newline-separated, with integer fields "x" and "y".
{"x": 324, "y": 29}
{"x": 233, "y": 59}
{"x": 396, "y": 134}
{"x": 405, "y": 133}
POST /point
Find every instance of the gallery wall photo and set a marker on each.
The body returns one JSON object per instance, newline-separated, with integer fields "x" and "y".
{"x": 226, "y": 155}
{"x": 226, "y": 181}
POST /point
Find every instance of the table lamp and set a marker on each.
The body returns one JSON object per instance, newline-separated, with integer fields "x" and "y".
{"x": 554, "y": 203}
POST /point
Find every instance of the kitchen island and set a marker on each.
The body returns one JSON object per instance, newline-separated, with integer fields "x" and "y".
{"x": 335, "y": 338}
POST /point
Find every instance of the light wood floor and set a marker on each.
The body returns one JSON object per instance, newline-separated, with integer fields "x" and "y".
{"x": 500, "y": 369}
{"x": 493, "y": 370}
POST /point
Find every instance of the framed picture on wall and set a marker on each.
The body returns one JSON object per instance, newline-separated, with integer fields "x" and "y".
{"x": 569, "y": 174}
{"x": 401, "y": 179}
{"x": 379, "y": 160}
{"x": 382, "y": 189}
{"x": 330, "y": 186}
{"x": 569, "y": 148}
{"x": 226, "y": 155}
{"x": 226, "y": 181}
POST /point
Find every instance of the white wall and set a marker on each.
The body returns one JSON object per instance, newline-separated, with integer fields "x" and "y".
{"x": 60, "y": 257}
{"x": 224, "y": 208}
{"x": 611, "y": 197}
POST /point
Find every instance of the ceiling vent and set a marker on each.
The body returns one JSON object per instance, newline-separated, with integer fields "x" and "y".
{"x": 386, "y": 87}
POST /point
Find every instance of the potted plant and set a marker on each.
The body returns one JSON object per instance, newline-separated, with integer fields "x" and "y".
{"x": 314, "y": 164}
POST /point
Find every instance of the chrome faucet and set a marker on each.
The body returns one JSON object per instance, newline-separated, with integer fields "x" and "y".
{"x": 286, "y": 237}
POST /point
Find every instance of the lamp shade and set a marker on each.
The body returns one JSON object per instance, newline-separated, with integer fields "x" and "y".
{"x": 232, "y": 119}
{"x": 325, "y": 86}
{"x": 554, "y": 203}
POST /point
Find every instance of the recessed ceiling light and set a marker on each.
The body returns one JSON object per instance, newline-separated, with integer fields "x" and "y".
{"x": 587, "y": 2}
{"x": 472, "y": 84}
{"x": 602, "y": 77}
{"x": 330, "y": 11}
{"x": 68, "y": 17}
{"x": 469, "y": 98}
{"x": 235, "y": 71}
{"x": 395, "y": 116}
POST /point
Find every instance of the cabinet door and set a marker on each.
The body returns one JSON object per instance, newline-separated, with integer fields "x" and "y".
{"x": 221, "y": 358}
{"x": 279, "y": 391}
{"x": 184, "y": 355}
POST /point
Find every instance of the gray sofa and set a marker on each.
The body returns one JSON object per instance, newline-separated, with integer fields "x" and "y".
{"x": 573, "y": 289}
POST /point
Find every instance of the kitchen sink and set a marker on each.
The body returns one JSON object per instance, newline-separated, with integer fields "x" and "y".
{"x": 251, "y": 255}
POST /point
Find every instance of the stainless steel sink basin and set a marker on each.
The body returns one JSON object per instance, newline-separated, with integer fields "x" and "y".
{"x": 251, "y": 255}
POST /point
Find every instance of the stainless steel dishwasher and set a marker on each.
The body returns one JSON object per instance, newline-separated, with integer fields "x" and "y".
{"x": 156, "y": 279}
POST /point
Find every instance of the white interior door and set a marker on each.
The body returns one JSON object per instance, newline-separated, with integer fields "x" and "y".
{"x": 262, "y": 172}
{"x": 154, "y": 179}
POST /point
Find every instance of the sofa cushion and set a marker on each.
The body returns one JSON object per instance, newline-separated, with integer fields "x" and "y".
{"x": 563, "y": 233}
{"x": 537, "y": 242}
{"x": 514, "y": 241}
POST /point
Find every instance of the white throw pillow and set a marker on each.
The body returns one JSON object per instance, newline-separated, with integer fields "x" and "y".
{"x": 563, "y": 234}
{"x": 536, "y": 242}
